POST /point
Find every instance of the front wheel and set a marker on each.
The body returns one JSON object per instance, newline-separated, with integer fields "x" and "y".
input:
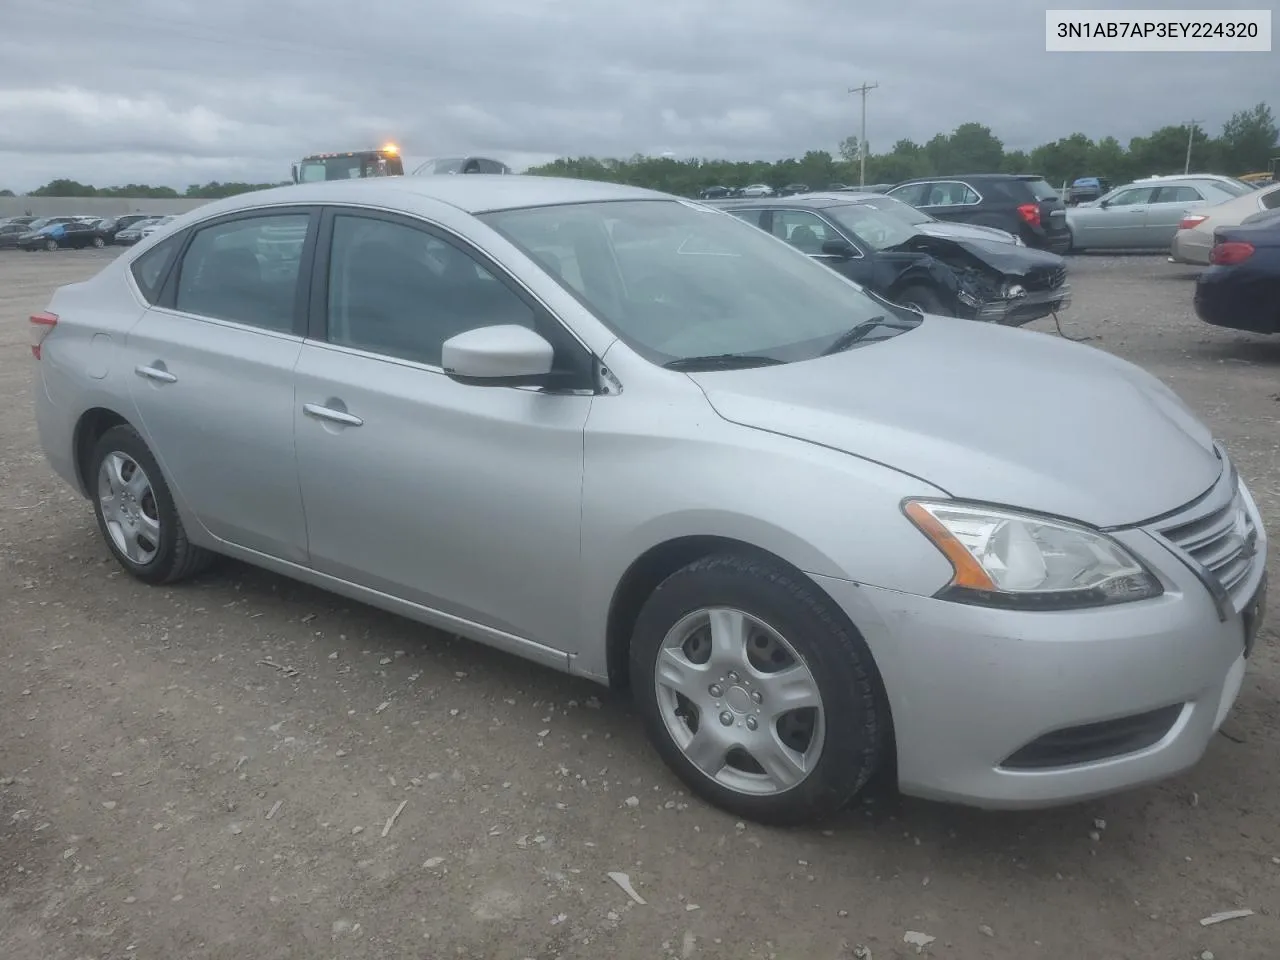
{"x": 51, "y": 245}
{"x": 923, "y": 300}
{"x": 756, "y": 692}
{"x": 136, "y": 512}
{"x": 99, "y": 242}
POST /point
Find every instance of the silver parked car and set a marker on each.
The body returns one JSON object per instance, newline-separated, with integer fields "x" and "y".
{"x": 1143, "y": 215}
{"x": 630, "y": 437}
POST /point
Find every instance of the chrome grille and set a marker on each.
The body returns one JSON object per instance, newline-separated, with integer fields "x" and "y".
{"x": 1047, "y": 278}
{"x": 1219, "y": 534}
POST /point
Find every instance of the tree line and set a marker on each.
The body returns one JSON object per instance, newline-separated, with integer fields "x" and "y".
{"x": 208, "y": 191}
{"x": 1249, "y": 143}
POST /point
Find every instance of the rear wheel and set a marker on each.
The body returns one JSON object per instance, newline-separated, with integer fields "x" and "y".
{"x": 136, "y": 513}
{"x": 99, "y": 242}
{"x": 755, "y": 692}
{"x": 923, "y": 300}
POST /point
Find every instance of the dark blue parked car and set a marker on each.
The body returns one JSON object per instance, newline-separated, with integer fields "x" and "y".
{"x": 1241, "y": 288}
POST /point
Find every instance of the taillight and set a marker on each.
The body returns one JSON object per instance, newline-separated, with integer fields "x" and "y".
{"x": 42, "y": 325}
{"x": 1187, "y": 222}
{"x": 1030, "y": 212}
{"x": 1228, "y": 252}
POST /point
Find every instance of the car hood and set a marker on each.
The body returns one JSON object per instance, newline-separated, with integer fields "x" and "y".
{"x": 1003, "y": 257}
{"x": 966, "y": 231}
{"x": 988, "y": 413}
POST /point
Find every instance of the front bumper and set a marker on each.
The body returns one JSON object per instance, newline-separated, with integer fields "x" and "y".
{"x": 989, "y": 705}
{"x": 1017, "y": 311}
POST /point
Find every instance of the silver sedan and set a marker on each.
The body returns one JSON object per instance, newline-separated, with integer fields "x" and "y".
{"x": 630, "y": 437}
{"x": 1143, "y": 215}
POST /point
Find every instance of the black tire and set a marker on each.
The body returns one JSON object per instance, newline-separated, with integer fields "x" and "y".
{"x": 921, "y": 298}
{"x": 856, "y": 716}
{"x": 51, "y": 245}
{"x": 99, "y": 242}
{"x": 176, "y": 558}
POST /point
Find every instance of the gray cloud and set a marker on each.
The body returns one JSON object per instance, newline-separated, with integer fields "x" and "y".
{"x": 179, "y": 91}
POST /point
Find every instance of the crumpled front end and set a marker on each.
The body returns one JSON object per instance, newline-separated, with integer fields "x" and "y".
{"x": 1014, "y": 301}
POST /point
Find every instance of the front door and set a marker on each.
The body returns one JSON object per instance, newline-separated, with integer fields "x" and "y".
{"x": 212, "y": 380}
{"x": 464, "y": 499}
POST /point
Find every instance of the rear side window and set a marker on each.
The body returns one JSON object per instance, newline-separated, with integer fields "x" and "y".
{"x": 1271, "y": 199}
{"x": 245, "y": 271}
{"x": 1041, "y": 189}
{"x": 150, "y": 269}
{"x": 1177, "y": 195}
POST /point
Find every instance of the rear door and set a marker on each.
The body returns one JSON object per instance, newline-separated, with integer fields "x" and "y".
{"x": 1165, "y": 211}
{"x": 213, "y": 385}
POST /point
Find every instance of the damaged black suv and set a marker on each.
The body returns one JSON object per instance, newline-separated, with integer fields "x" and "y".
{"x": 956, "y": 276}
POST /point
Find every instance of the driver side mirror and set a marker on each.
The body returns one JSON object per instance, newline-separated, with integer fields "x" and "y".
{"x": 498, "y": 356}
{"x": 1104, "y": 204}
{"x": 842, "y": 249}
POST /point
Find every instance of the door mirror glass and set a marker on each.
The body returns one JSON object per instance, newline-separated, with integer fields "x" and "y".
{"x": 838, "y": 248}
{"x": 506, "y": 355}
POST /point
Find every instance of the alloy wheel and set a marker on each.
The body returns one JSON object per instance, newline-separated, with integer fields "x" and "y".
{"x": 739, "y": 701}
{"x": 129, "y": 509}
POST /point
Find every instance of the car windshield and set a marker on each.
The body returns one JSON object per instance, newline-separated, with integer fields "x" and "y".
{"x": 678, "y": 280}
{"x": 875, "y": 228}
{"x": 39, "y": 224}
{"x": 895, "y": 207}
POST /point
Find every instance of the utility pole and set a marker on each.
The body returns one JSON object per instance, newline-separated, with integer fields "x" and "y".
{"x": 1191, "y": 132}
{"x": 862, "y": 140}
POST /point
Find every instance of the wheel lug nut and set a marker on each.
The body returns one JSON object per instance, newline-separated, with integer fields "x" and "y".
{"x": 752, "y": 723}
{"x": 726, "y": 718}
{"x": 756, "y": 697}
{"x": 716, "y": 690}
{"x": 733, "y": 676}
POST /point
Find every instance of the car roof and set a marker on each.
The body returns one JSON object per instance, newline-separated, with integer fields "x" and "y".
{"x": 473, "y": 192}
{"x": 973, "y": 176}
{"x": 813, "y": 201}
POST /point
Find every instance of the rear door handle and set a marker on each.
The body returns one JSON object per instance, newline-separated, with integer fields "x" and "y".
{"x": 156, "y": 374}
{"x": 333, "y": 416}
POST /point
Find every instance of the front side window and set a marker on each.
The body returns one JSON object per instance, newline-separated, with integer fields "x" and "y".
{"x": 871, "y": 226}
{"x": 397, "y": 290}
{"x": 805, "y": 231}
{"x": 244, "y": 270}
{"x": 1131, "y": 197}
{"x": 677, "y": 280}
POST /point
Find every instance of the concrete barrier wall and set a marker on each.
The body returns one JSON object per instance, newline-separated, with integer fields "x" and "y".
{"x": 92, "y": 206}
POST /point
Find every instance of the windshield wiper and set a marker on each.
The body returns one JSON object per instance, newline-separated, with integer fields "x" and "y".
{"x": 722, "y": 361}
{"x": 861, "y": 331}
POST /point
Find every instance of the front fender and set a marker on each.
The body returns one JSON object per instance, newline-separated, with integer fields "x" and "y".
{"x": 692, "y": 473}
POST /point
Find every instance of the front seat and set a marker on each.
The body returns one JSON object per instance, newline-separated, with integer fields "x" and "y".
{"x": 805, "y": 238}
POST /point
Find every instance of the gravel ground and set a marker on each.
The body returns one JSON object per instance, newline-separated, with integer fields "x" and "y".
{"x": 215, "y": 770}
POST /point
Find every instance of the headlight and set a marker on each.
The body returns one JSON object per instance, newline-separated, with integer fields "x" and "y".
{"x": 1007, "y": 559}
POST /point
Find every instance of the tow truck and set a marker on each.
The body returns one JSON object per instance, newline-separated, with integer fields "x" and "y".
{"x": 385, "y": 161}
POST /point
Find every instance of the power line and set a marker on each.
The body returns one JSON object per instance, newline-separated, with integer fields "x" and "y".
{"x": 862, "y": 139}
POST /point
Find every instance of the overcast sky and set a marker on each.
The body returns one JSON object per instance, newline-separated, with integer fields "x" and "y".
{"x": 178, "y": 91}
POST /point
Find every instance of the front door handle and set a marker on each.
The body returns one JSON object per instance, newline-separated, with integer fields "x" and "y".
{"x": 157, "y": 374}
{"x": 334, "y": 416}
